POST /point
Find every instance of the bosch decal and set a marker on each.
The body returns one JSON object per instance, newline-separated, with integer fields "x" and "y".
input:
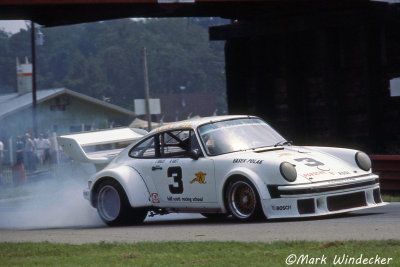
{"x": 282, "y": 208}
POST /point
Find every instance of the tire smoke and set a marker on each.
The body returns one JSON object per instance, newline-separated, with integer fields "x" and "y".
{"x": 50, "y": 203}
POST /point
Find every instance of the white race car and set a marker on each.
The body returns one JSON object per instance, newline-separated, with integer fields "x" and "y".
{"x": 220, "y": 166}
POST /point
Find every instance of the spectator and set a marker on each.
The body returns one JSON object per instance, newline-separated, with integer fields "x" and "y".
{"x": 29, "y": 153}
{"x": 53, "y": 149}
{"x": 19, "y": 145}
{"x": 41, "y": 144}
{"x": 18, "y": 170}
{"x": 47, "y": 145}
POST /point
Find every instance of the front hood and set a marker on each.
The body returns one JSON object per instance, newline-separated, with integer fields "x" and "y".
{"x": 312, "y": 165}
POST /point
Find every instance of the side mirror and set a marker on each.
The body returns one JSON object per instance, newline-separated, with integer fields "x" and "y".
{"x": 195, "y": 154}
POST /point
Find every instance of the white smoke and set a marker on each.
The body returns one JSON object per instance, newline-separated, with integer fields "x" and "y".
{"x": 52, "y": 203}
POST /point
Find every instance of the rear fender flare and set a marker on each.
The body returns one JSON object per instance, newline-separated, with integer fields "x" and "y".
{"x": 130, "y": 180}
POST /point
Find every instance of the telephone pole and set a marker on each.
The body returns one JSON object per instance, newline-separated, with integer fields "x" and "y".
{"x": 146, "y": 89}
{"x": 34, "y": 99}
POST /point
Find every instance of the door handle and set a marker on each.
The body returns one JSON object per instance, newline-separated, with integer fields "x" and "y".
{"x": 154, "y": 168}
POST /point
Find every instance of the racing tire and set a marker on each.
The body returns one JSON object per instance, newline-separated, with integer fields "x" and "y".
{"x": 243, "y": 201}
{"x": 113, "y": 205}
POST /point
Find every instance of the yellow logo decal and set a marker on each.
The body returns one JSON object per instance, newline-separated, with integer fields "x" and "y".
{"x": 200, "y": 177}
{"x": 284, "y": 154}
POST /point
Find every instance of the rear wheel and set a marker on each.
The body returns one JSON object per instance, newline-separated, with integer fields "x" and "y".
{"x": 113, "y": 205}
{"x": 243, "y": 201}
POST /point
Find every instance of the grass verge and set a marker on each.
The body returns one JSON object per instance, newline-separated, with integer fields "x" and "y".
{"x": 196, "y": 253}
{"x": 391, "y": 198}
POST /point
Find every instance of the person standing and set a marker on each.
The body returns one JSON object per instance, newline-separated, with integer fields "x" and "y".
{"x": 19, "y": 150}
{"x": 18, "y": 170}
{"x": 40, "y": 145}
{"x": 29, "y": 153}
{"x": 47, "y": 147}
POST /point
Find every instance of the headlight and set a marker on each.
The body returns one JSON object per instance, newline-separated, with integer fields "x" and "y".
{"x": 363, "y": 161}
{"x": 288, "y": 171}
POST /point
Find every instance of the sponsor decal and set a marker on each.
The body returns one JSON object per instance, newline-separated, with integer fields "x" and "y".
{"x": 282, "y": 208}
{"x": 250, "y": 161}
{"x": 310, "y": 174}
{"x": 160, "y": 161}
{"x": 185, "y": 199}
{"x": 255, "y": 161}
{"x": 200, "y": 178}
{"x": 344, "y": 173}
{"x": 155, "y": 198}
{"x": 174, "y": 161}
{"x": 333, "y": 173}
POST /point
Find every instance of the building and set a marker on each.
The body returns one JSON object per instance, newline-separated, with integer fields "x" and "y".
{"x": 59, "y": 111}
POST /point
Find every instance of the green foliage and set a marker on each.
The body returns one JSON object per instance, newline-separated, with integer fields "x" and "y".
{"x": 391, "y": 197}
{"x": 105, "y": 58}
{"x": 191, "y": 253}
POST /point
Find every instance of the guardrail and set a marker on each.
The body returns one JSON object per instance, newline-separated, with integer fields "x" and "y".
{"x": 388, "y": 168}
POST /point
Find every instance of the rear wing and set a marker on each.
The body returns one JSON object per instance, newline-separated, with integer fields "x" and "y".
{"x": 99, "y": 147}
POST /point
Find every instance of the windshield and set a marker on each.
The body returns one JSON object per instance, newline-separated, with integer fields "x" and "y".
{"x": 236, "y": 135}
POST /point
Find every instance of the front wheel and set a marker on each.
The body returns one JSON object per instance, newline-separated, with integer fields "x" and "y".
{"x": 113, "y": 205}
{"x": 243, "y": 201}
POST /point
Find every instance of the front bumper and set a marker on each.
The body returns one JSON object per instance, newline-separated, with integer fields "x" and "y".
{"x": 323, "y": 198}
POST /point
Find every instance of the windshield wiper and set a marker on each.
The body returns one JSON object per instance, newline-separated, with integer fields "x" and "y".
{"x": 282, "y": 143}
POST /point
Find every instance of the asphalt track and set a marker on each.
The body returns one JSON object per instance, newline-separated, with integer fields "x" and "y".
{"x": 371, "y": 224}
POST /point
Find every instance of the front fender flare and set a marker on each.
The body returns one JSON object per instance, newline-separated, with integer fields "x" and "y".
{"x": 130, "y": 180}
{"x": 252, "y": 177}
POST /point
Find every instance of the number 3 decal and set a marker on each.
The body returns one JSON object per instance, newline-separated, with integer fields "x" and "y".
{"x": 310, "y": 162}
{"x": 176, "y": 173}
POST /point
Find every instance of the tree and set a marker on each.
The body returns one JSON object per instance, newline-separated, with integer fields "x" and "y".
{"x": 104, "y": 58}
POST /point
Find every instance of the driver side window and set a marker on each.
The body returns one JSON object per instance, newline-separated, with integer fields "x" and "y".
{"x": 178, "y": 144}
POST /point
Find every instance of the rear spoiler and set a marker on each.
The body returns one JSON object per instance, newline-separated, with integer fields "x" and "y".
{"x": 99, "y": 147}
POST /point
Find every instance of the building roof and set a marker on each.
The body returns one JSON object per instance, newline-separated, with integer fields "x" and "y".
{"x": 11, "y": 103}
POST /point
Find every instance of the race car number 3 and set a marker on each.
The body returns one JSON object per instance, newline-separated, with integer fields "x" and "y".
{"x": 176, "y": 174}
